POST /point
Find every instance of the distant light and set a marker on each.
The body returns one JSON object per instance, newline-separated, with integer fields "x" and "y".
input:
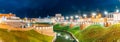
{"x": 105, "y": 12}
{"x": 10, "y": 13}
{"x": 58, "y": 34}
{"x": 76, "y": 16}
{"x": 93, "y": 14}
{"x": 67, "y": 17}
{"x": 40, "y": 28}
{"x": 84, "y": 15}
{"x": 66, "y": 37}
{"x": 71, "y": 17}
{"x": 117, "y": 10}
{"x": 45, "y": 27}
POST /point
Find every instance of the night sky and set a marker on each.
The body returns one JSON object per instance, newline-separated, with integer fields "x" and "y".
{"x": 43, "y": 8}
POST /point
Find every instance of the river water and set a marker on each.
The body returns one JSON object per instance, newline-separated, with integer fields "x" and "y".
{"x": 64, "y": 37}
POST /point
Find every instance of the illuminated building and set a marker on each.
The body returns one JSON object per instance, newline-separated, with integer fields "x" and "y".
{"x": 44, "y": 28}
{"x": 59, "y": 17}
{"x": 7, "y": 15}
{"x": 9, "y": 18}
{"x": 44, "y": 20}
{"x": 99, "y": 15}
{"x": 116, "y": 16}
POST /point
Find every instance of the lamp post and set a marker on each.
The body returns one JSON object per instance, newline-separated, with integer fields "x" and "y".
{"x": 76, "y": 16}
{"x": 117, "y": 10}
{"x": 106, "y": 13}
{"x": 93, "y": 17}
{"x": 106, "y": 16}
{"x": 93, "y": 14}
{"x": 84, "y": 15}
{"x": 67, "y": 18}
{"x": 71, "y": 17}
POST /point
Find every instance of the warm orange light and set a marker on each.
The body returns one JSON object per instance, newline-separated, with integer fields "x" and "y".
{"x": 6, "y": 15}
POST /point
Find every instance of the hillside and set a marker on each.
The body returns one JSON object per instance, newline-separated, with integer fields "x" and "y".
{"x": 94, "y": 33}
{"x": 23, "y": 36}
{"x": 97, "y": 33}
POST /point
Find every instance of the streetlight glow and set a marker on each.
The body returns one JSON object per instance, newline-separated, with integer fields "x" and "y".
{"x": 93, "y": 14}
{"x": 67, "y": 17}
{"x": 105, "y": 12}
{"x": 76, "y": 16}
{"x": 71, "y": 17}
{"x": 84, "y": 15}
{"x": 117, "y": 10}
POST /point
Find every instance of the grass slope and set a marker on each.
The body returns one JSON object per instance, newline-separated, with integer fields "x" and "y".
{"x": 23, "y": 36}
{"x": 112, "y": 34}
{"x": 96, "y": 33}
{"x": 90, "y": 33}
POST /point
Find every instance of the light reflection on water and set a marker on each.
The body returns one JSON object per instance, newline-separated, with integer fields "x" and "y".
{"x": 63, "y": 37}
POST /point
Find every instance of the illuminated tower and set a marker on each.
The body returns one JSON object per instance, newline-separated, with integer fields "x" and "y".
{"x": 99, "y": 15}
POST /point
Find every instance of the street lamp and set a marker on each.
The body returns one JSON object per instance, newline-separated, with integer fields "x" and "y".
{"x": 85, "y": 15}
{"x": 105, "y": 12}
{"x": 71, "y": 17}
{"x": 67, "y": 17}
{"x": 117, "y": 10}
{"x": 76, "y": 16}
{"x": 93, "y": 14}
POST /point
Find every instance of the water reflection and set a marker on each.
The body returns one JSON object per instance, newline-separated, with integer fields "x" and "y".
{"x": 64, "y": 37}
